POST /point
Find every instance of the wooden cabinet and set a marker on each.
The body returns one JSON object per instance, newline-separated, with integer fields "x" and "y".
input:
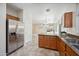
{"x": 58, "y": 44}
{"x": 47, "y": 41}
{"x": 64, "y": 49}
{"x": 54, "y": 42}
{"x": 61, "y": 47}
{"x": 41, "y": 41}
{"x": 68, "y": 19}
{"x": 12, "y": 17}
{"x": 69, "y": 51}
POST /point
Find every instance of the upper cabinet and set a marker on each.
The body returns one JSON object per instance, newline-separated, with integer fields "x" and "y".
{"x": 68, "y": 19}
{"x": 12, "y": 17}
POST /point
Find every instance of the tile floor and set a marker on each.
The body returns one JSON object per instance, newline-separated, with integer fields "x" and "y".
{"x": 32, "y": 49}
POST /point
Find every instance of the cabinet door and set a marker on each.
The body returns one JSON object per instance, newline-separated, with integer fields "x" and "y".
{"x": 68, "y": 20}
{"x": 52, "y": 42}
{"x": 58, "y": 44}
{"x": 47, "y": 41}
{"x": 62, "y": 48}
{"x": 70, "y": 52}
{"x": 41, "y": 41}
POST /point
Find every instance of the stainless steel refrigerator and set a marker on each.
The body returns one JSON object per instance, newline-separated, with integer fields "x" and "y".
{"x": 14, "y": 35}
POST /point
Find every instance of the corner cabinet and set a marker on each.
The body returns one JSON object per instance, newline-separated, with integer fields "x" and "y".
{"x": 70, "y": 52}
{"x": 68, "y": 20}
{"x": 64, "y": 49}
{"x": 61, "y": 47}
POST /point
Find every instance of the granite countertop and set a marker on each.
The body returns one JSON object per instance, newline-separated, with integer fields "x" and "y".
{"x": 70, "y": 45}
{"x": 49, "y": 34}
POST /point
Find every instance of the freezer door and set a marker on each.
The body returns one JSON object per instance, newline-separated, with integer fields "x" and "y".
{"x": 12, "y": 43}
{"x": 11, "y": 40}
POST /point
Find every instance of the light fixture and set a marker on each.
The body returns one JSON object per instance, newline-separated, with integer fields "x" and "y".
{"x": 47, "y": 10}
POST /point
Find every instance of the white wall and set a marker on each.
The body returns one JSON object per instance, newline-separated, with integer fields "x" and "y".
{"x": 20, "y": 14}
{"x": 2, "y": 29}
{"x": 11, "y": 11}
{"x": 27, "y": 18}
{"x": 77, "y": 19}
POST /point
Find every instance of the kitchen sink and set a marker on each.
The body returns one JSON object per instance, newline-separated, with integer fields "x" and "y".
{"x": 76, "y": 46}
{"x": 73, "y": 41}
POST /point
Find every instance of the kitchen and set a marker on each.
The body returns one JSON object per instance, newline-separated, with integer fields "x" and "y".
{"x": 58, "y": 30}
{"x": 47, "y": 29}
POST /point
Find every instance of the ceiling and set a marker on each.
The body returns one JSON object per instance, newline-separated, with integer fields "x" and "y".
{"x": 39, "y": 13}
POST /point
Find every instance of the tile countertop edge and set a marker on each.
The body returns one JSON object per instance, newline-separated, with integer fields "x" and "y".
{"x": 72, "y": 47}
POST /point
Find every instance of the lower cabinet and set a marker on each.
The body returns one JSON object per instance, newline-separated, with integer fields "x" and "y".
{"x": 64, "y": 49}
{"x": 58, "y": 44}
{"x": 54, "y": 42}
{"x": 47, "y": 41}
{"x": 42, "y": 41}
{"x": 61, "y": 48}
{"x": 70, "y": 52}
